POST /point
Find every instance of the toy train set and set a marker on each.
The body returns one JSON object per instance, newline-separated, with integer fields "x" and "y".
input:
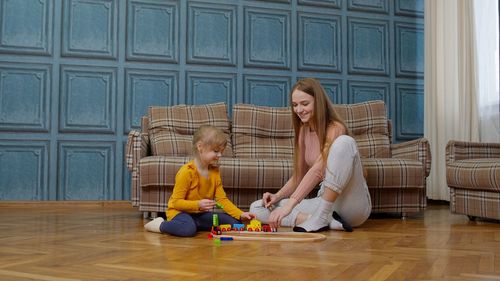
{"x": 255, "y": 230}
{"x": 254, "y": 226}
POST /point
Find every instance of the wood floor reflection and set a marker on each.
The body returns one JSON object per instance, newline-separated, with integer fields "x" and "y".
{"x": 106, "y": 241}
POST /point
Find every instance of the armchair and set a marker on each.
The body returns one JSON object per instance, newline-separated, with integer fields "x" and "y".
{"x": 473, "y": 176}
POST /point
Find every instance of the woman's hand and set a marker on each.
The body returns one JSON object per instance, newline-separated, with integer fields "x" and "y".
{"x": 206, "y": 204}
{"x": 247, "y": 216}
{"x": 269, "y": 199}
{"x": 277, "y": 215}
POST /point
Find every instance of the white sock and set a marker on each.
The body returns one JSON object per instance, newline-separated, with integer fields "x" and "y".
{"x": 319, "y": 220}
{"x": 154, "y": 225}
{"x": 335, "y": 225}
{"x": 345, "y": 226}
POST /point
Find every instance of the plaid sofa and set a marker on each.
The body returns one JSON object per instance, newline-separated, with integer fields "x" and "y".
{"x": 473, "y": 176}
{"x": 260, "y": 151}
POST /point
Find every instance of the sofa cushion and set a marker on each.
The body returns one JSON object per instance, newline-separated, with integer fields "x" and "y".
{"x": 368, "y": 124}
{"x": 171, "y": 128}
{"x": 262, "y": 132}
{"x": 474, "y": 174}
{"x": 393, "y": 173}
{"x": 236, "y": 173}
{"x": 244, "y": 180}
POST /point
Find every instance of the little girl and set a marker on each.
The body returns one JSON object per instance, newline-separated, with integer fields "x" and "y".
{"x": 197, "y": 189}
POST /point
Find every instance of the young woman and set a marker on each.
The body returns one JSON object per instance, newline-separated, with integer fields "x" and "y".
{"x": 325, "y": 155}
{"x": 197, "y": 189}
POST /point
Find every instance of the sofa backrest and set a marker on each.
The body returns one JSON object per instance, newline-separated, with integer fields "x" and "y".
{"x": 262, "y": 132}
{"x": 368, "y": 124}
{"x": 171, "y": 128}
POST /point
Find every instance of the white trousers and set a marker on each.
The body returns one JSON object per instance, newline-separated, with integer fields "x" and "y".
{"x": 344, "y": 175}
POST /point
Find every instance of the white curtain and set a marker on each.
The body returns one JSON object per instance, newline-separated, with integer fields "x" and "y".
{"x": 486, "y": 20}
{"x": 461, "y": 78}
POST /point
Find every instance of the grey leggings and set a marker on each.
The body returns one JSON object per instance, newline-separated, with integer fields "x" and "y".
{"x": 344, "y": 175}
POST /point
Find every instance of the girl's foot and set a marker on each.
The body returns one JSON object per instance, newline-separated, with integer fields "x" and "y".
{"x": 154, "y": 225}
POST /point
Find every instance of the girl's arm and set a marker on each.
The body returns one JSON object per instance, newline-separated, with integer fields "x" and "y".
{"x": 221, "y": 198}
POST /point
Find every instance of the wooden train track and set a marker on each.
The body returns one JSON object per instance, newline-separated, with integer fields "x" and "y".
{"x": 272, "y": 236}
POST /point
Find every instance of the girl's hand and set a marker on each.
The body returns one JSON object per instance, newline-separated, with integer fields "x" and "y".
{"x": 206, "y": 204}
{"x": 277, "y": 215}
{"x": 269, "y": 199}
{"x": 247, "y": 216}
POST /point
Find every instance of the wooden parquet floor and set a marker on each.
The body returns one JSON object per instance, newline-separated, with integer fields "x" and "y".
{"x": 106, "y": 241}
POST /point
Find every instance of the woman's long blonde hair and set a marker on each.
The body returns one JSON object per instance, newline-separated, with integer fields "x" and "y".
{"x": 323, "y": 116}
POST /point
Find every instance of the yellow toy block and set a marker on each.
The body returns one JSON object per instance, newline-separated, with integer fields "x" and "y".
{"x": 225, "y": 227}
{"x": 255, "y": 223}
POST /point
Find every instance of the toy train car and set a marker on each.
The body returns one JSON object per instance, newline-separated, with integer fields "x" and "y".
{"x": 254, "y": 225}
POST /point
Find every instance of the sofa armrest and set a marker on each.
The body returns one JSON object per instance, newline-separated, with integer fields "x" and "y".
{"x": 418, "y": 149}
{"x": 137, "y": 148}
{"x": 461, "y": 150}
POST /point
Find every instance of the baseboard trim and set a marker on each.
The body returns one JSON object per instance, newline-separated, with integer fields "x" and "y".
{"x": 6, "y": 204}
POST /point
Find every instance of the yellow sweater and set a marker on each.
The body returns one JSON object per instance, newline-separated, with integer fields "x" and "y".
{"x": 190, "y": 187}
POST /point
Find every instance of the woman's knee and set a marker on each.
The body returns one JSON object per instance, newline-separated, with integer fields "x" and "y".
{"x": 256, "y": 206}
{"x": 345, "y": 140}
{"x": 260, "y": 211}
{"x": 342, "y": 145}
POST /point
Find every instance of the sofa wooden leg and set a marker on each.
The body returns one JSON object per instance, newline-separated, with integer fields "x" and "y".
{"x": 149, "y": 215}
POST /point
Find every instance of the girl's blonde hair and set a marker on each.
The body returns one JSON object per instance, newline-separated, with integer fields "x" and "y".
{"x": 323, "y": 116}
{"x": 209, "y": 136}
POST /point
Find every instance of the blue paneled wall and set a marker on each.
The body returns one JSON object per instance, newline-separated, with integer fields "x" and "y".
{"x": 77, "y": 75}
